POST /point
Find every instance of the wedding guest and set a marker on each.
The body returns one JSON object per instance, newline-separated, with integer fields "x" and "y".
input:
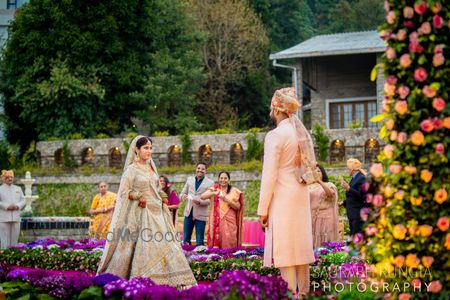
{"x": 196, "y": 210}
{"x": 284, "y": 204}
{"x": 12, "y": 201}
{"x": 102, "y": 209}
{"x": 324, "y": 208}
{"x": 169, "y": 196}
{"x": 355, "y": 195}
{"x": 154, "y": 252}
{"x": 226, "y": 216}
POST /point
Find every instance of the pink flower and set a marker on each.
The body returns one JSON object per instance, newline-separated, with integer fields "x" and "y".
{"x": 438, "y": 104}
{"x": 415, "y": 47}
{"x": 401, "y": 107}
{"x": 435, "y": 287}
{"x": 364, "y": 213}
{"x": 438, "y": 59}
{"x": 440, "y": 149}
{"x": 425, "y": 28}
{"x": 401, "y": 138}
{"x": 377, "y": 200}
{"x": 443, "y": 223}
{"x": 386, "y": 6}
{"x": 376, "y": 170}
{"x": 429, "y": 91}
{"x": 393, "y": 135}
{"x": 371, "y": 230}
{"x": 399, "y": 195}
{"x": 390, "y": 53}
{"x": 420, "y": 74}
{"x": 390, "y": 17}
{"x": 420, "y": 8}
{"x": 437, "y": 123}
{"x": 405, "y": 61}
{"x": 401, "y": 35}
{"x": 404, "y": 296}
{"x": 395, "y": 168}
{"x": 411, "y": 170}
{"x": 439, "y": 49}
{"x": 409, "y": 24}
{"x": 427, "y": 125}
{"x": 437, "y": 21}
{"x": 403, "y": 91}
{"x": 391, "y": 79}
{"x": 385, "y": 104}
{"x": 408, "y": 12}
{"x": 358, "y": 238}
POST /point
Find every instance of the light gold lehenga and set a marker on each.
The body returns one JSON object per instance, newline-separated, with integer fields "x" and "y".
{"x": 143, "y": 241}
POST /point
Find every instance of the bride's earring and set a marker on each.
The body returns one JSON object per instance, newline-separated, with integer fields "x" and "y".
{"x": 136, "y": 156}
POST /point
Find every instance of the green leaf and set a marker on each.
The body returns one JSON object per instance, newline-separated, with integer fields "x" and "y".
{"x": 44, "y": 297}
{"x": 435, "y": 85}
{"x": 94, "y": 292}
{"x": 25, "y": 297}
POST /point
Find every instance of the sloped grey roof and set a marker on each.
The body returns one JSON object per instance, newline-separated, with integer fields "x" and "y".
{"x": 335, "y": 44}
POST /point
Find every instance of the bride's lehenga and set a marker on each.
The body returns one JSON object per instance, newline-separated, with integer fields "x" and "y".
{"x": 143, "y": 241}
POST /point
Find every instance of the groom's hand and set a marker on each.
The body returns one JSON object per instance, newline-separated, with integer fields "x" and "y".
{"x": 264, "y": 221}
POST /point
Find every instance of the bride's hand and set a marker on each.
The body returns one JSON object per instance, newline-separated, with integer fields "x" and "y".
{"x": 142, "y": 202}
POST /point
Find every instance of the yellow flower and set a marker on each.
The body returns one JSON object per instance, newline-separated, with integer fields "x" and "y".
{"x": 416, "y": 200}
{"x": 412, "y": 229}
{"x": 399, "y": 195}
{"x": 440, "y": 195}
{"x": 399, "y": 232}
{"x": 417, "y": 138}
{"x": 427, "y": 261}
{"x": 388, "y": 150}
{"x": 426, "y": 175}
{"x": 388, "y": 191}
{"x": 425, "y": 230}
{"x": 412, "y": 261}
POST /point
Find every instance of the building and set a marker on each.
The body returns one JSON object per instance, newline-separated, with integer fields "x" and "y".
{"x": 336, "y": 92}
{"x": 7, "y": 10}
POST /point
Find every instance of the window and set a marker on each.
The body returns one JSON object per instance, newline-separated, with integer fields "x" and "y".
{"x": 352, "y": 114}
{"x": 11, "y": 4}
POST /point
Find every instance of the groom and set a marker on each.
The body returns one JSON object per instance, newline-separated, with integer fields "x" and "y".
{"x": 196, "y": 210}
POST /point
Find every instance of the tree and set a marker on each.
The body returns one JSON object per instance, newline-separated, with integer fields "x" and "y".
{"x": 235, "y": 47}
{"x": 84, "y": 66}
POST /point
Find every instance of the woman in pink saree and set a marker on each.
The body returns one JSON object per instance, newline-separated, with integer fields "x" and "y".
{"x": 226, "y": 215}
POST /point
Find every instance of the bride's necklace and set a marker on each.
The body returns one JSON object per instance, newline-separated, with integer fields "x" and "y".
{"x": 144, "y": 166}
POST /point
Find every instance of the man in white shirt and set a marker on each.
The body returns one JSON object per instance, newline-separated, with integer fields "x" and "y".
{"x": 12, "y": 201}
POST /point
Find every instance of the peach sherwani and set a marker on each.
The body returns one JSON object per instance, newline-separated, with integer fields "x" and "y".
{"x": 289, "y": 239}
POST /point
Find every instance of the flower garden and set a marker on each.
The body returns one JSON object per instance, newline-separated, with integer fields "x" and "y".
{"x": 49, "y": 269}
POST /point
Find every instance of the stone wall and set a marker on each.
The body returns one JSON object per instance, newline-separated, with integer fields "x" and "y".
{"x": 220, "y": 144}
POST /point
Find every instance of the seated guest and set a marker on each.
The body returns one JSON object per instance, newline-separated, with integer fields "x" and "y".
{"x": 225, "y": 225}
{"x": 324, "y": 208}
{"x": 12, "y": 201}
{"x": 102, "y": 209}
{"x": 169, "y": 196}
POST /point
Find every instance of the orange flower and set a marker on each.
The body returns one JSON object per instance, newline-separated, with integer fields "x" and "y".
{"x": 399, "y": 261}
{"x": 425, "y": 230}
{"x": 416, "y": 283}
{"x": 447, "y": 241}
{"x": 395, "y": 168}
{"x": 417, "y": 138}
{"x": 416, "y": 200}
{"x": 440, "y": 195}
{"x": 412, "y": 261}
{"x": 443, "y": 223}
{"x": 401, "y": 107}
{"x": 404, "y": 296}
{"x": 390, "y": 124}
{"x": 410, "y": 170}
{"x": 435, "y": 287}
{"x": 426, "y": 175}
{"x": 399, "y": 232}
{"x": 412, "y": 229}
{"x": 446, "y": 123}
{"x": 427, "y": 261}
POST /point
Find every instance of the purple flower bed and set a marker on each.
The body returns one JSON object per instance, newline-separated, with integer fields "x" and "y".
{"x": 47, "y": 242}
{"x": 232, "y": 284}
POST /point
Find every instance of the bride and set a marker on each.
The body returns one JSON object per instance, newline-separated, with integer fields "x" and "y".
{"x": 142, "y": 240}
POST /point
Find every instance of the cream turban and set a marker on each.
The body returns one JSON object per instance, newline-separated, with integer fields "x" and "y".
{"x": 355, "y": 164}
{"x": 6, "y": 173}
{"x": 285, "y": 100}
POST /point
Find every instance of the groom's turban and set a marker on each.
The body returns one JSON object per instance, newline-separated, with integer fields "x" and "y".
{"x": 285, "y": 100}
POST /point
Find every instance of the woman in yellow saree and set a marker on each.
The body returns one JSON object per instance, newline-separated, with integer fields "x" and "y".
{"x": 225, "y": 223}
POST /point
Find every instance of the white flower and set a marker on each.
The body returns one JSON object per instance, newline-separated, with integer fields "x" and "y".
{"x": 38, "y": 247}
{"x": 200, "y": 248}
{"x": 78, "y": 250}
{"x": 52, "y": 246}
{"x": 253, "y": 257}
{"x": 239, "y": 252}
{"x": 97, "y": 250}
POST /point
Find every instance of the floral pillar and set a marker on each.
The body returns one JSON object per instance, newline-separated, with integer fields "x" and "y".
{"x": 407, "y": 230}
